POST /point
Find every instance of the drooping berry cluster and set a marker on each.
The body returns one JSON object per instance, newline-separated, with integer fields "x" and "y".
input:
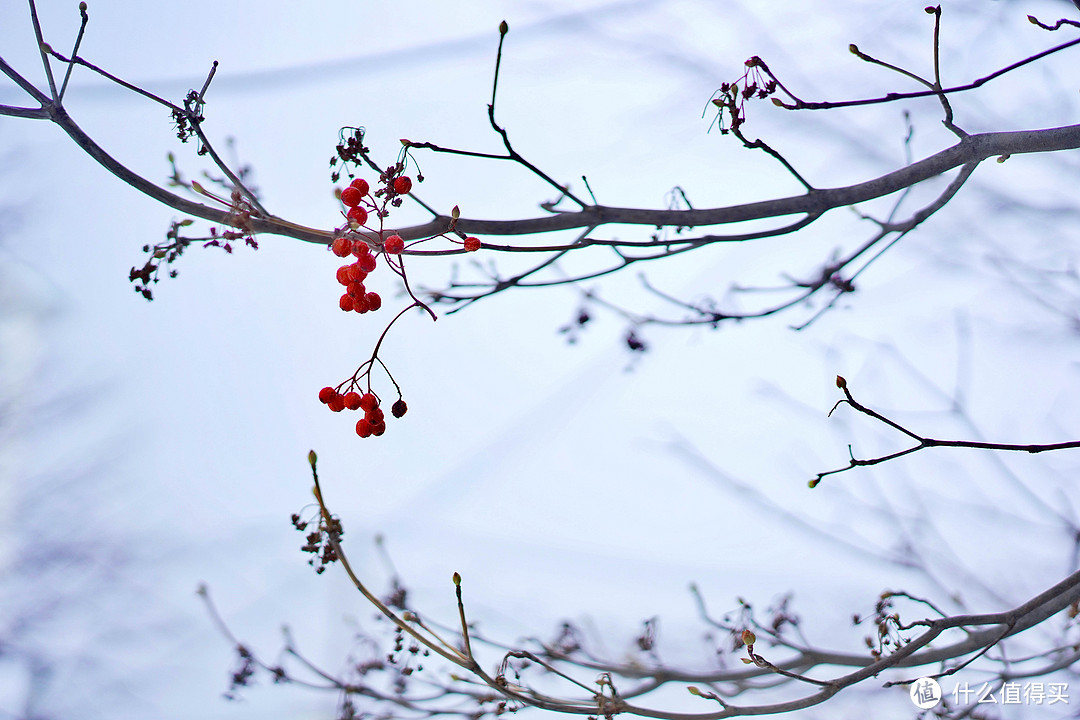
{"x": 361, "y": 203}
{"x": 352, "y": 276}
{"x": 374, "y": 421}
{"x": 365, "y": 207}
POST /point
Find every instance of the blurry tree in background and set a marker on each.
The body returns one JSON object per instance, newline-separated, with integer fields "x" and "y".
{"x": 764, "y": 663}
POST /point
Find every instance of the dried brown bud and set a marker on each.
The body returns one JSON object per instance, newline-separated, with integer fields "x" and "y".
{"x": 841, "y": 382}
{"x": 503, "y": 28}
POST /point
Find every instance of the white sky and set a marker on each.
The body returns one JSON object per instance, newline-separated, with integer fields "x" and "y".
{"x": 160, "y": 445}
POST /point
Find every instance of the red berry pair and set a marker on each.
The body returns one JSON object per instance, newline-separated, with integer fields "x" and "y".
{"x": 351, "y": 197}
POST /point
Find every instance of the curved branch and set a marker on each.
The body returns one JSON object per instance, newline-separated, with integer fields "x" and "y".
{"x": 972, "y": 149}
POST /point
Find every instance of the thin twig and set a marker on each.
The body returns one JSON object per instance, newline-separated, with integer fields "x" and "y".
{"x": 922, "y": 442}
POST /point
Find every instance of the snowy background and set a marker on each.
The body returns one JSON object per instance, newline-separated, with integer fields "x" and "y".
{"x": 146, "y": 448}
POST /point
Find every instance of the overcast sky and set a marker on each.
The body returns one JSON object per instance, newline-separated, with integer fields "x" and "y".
{"x": 149, "y": 447}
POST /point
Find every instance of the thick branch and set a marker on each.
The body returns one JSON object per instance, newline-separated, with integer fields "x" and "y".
{"x": 972, "y": 149}
{"x": 269, "y": 225}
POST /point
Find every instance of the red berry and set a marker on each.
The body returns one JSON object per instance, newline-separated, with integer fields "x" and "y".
{"x": 355, "y": 273}
{"x": 366, "y": 263}
{"x": 363, "y": 428}
{"x": 361, "y": 185}
{"x": 399, "y": 408}
{"x": 402, "y": 185}
{"x": 379, "y": 429}
{"x": 360, "y": 248}
{"x": 394, "y": 244}
{"x": 472, "y": 244}
{"x": 343, "y": 274}
{"x": 352, "y": 400}
{"x": 346, "y": 302}
{"x": 374, "y": 302}
{"x": 357, "y": 214}
{"x": 369, "y": 402}
{"x": 341, "y": 247}
{"x": 351, "y": 196}
{"x": 375, "y": 416}
{"x": 360, "y": 304}
{"x": 356, "y": 289}
{"x": 326, "y": 394}
{"x": 337, "y": 403}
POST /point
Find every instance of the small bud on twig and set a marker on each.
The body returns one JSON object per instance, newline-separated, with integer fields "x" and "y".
{"x": 503, "y": 28}
{"x": 841, "y": 382}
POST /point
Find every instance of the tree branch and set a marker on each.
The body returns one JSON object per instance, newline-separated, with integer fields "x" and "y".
{"x": 922, "y": 442}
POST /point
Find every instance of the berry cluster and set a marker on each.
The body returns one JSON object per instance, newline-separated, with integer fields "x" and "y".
{"x": 352, "y": 276}
{"x": 374, "y": 421}
{"x": 360, "y": 203}
{"x": 363, "y": 238}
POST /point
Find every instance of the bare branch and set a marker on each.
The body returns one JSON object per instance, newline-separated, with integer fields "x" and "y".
{"x": 922, "y": 443}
